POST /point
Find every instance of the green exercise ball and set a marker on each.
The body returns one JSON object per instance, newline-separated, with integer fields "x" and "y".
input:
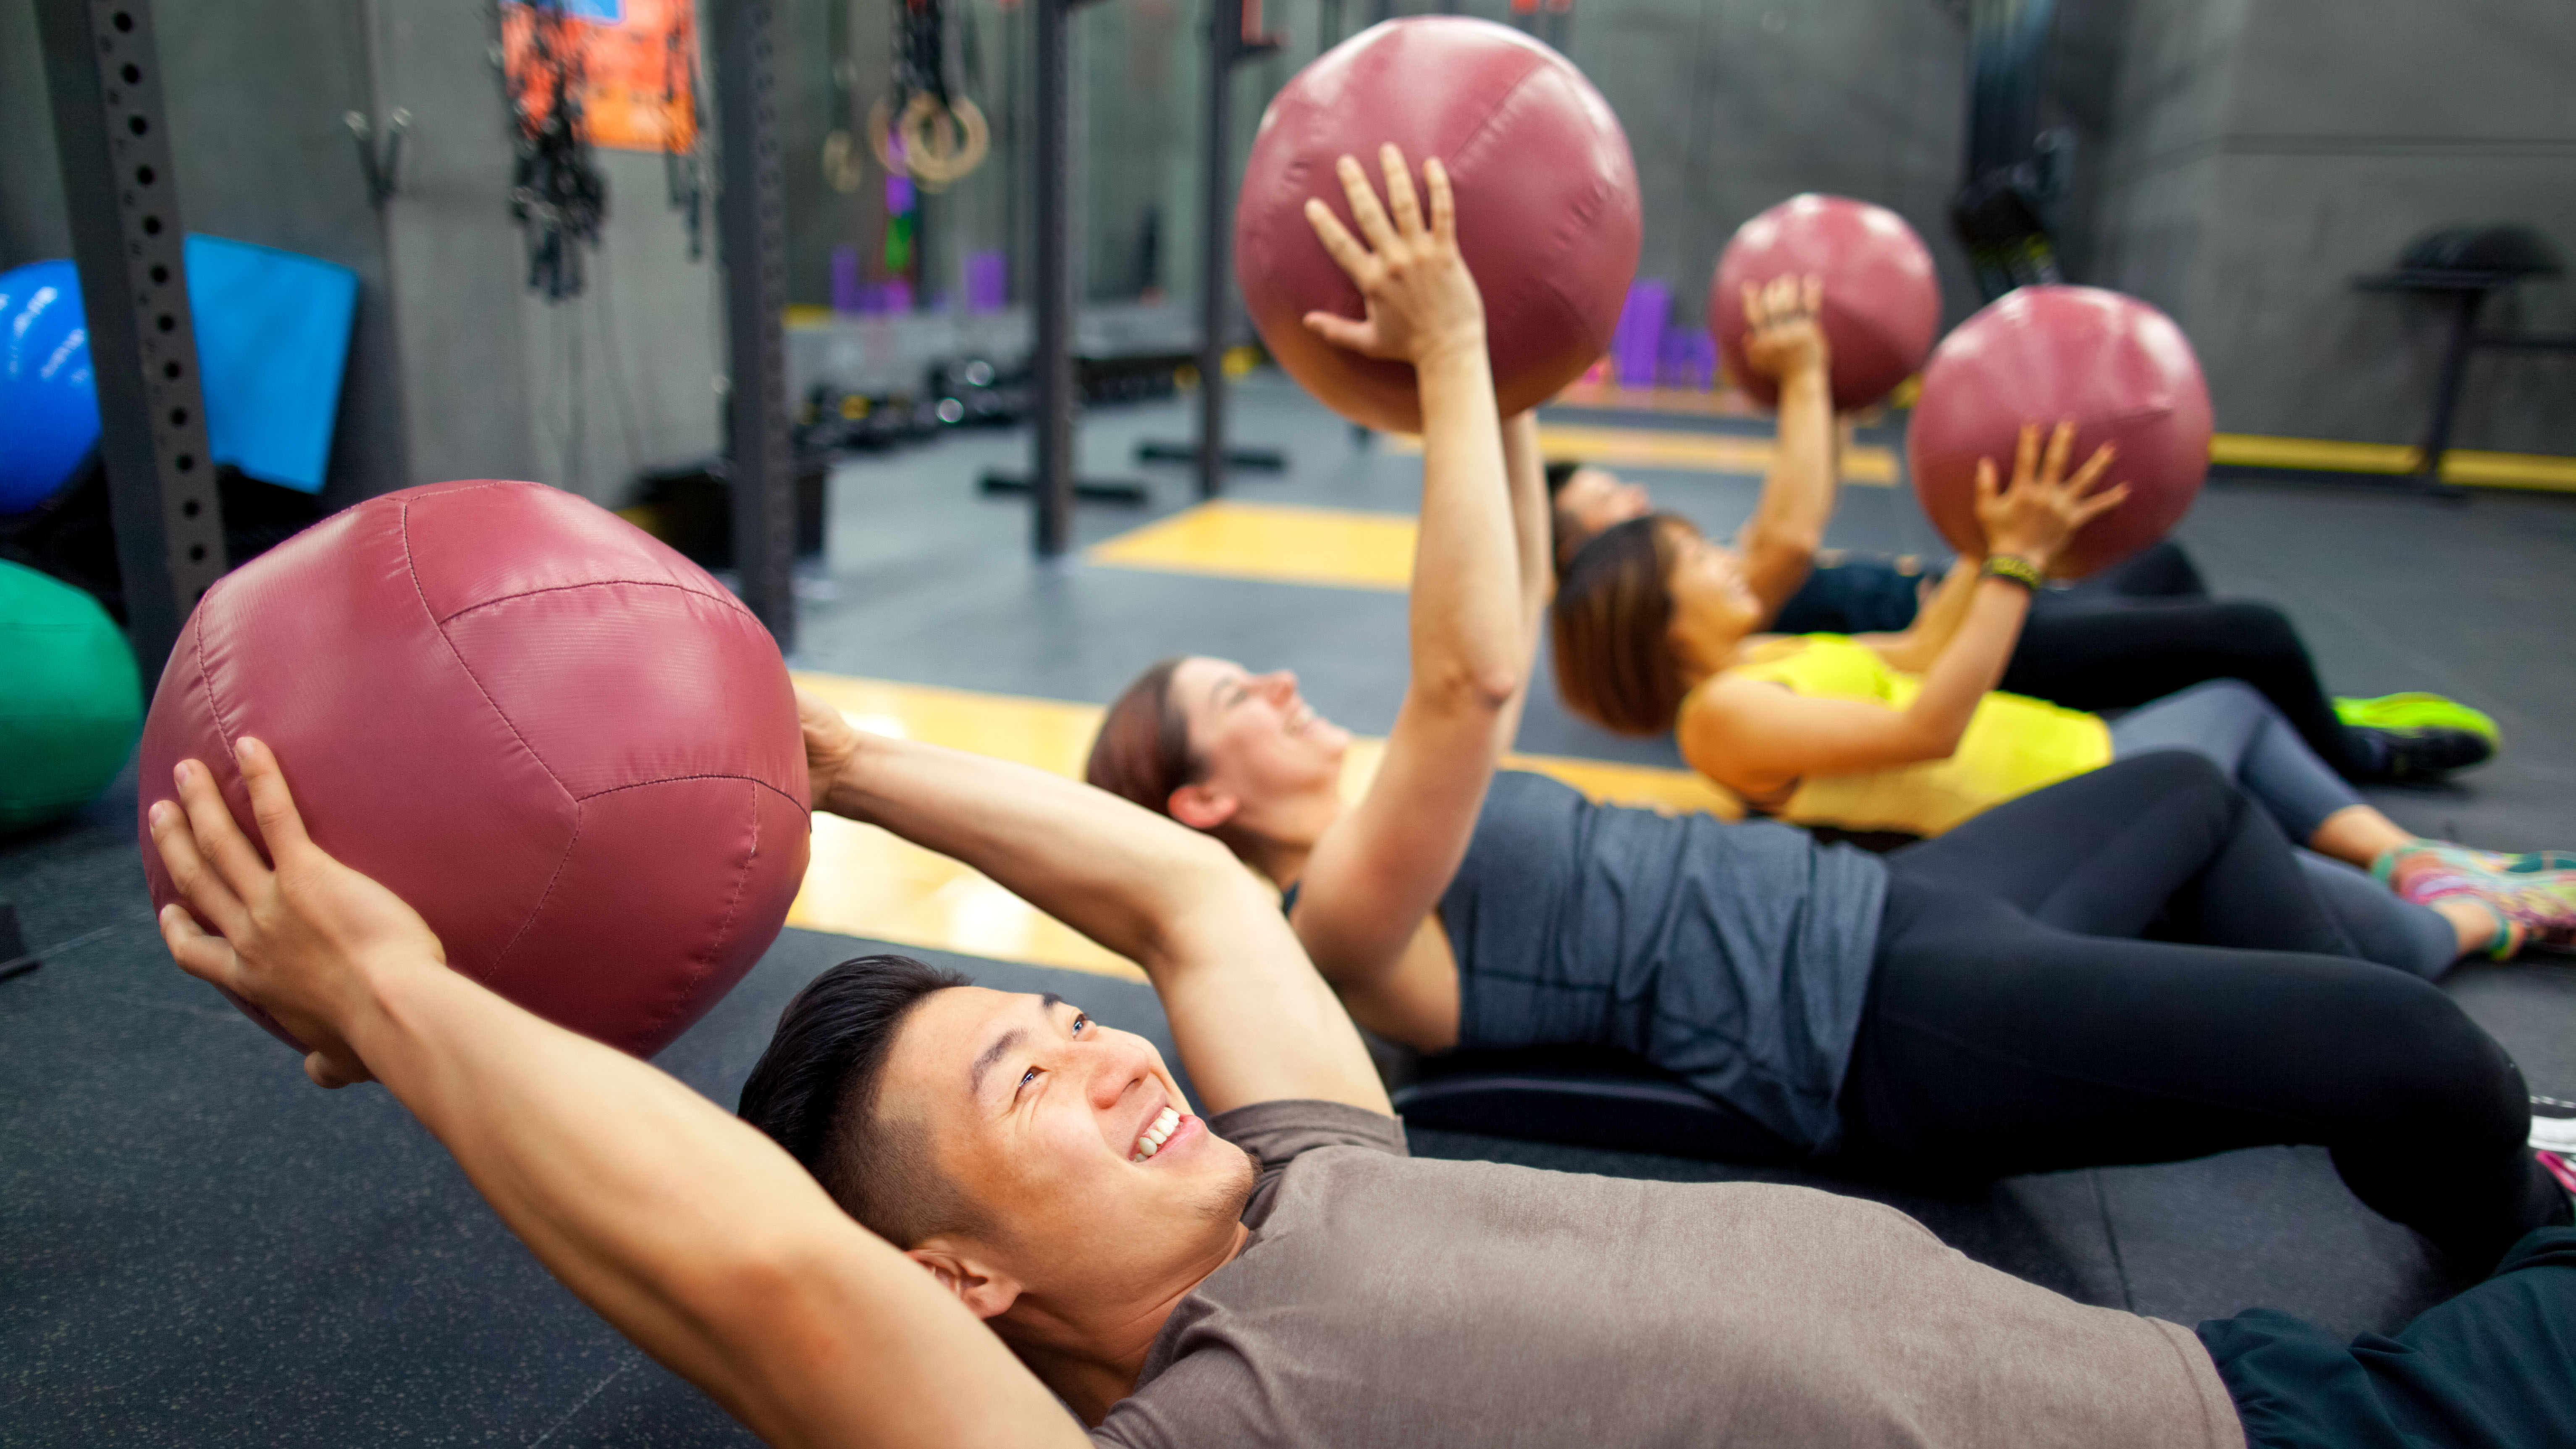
{"x": 71, "y": 702}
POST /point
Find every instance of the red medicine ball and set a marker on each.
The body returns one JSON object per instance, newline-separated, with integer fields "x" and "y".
{"x": 2120, "y": 370}
{"x": 1547, "y": 205}
{"x": 565, "y": 745}
{"x": 1882, "y": 299}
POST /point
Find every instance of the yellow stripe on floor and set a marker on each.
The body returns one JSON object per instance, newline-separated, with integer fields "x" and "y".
{"x": 865, "y": 882}
{"x": 1328, "y": 547}
{"x": 2466, "y": 466}
{"x": 1678, "y": 450}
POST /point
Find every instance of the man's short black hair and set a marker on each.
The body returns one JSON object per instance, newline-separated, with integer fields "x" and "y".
{"x": 1559, "y": 473}
{"x": 815, "y": 1091}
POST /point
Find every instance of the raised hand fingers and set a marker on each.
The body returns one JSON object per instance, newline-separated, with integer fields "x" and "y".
{"x": 1399, "y": 191}
{"x": 1341, "y": 331}
{"x": 1811, "y": 296}
{"x": 1780, "y": 299}
{"x": 2026, "y": 455}
{"x": 1364, "y": 205}
{"x": 1444, "y": 202}
{"x": 2091, "y": 473}
{"x": 272, "y": 806}
{"x": 2086, "y": 510}
{"x": 1339, "y": 244}
{"x": 215, "y": 839}
{"x": 1987, "y": 486}
{"x": 206, "y": 957}
{"x": 2061, "y": 446}
{"x": 197, "y": 880}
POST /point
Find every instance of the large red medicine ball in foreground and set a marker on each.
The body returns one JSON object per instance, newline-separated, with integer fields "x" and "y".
{"x": 2118, "y": 368}
{"x": 1547, "y": 205}
{"x": 565, "y": 745}
{"x": 1882, "y": 299}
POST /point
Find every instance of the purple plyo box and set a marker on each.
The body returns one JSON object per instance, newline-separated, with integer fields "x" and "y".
{"x": 1637, "y": 346}
{"x": 987, "y": 282}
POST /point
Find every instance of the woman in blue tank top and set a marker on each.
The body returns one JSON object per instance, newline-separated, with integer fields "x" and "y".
{"x": 1977, "y": 1004}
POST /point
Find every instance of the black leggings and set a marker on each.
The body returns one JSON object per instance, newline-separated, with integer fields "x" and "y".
{"x": 2095, "y": 652}
{"x": 2141, "y": 629}
{"x": 2013, "y": 1024}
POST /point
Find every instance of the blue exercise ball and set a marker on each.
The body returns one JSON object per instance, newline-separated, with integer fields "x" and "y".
{"x": 48, "y": 399}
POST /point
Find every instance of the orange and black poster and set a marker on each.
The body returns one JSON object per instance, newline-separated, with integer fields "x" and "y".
{"x": 636, "y": 61}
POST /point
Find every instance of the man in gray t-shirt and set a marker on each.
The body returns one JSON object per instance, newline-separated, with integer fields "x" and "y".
{"x": 1389, "y": 1300}
{"x": 1278, "y": 1274}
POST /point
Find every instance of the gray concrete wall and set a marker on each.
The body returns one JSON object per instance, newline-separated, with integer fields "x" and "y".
{"x": 263, "y": 155}
{"x": 500, "y": 382}
{"x": 2270, "y": 150}
{"x": 1734, "y": 105}
{"x": 624, "y": 376}
{"x": 455, "y": 369}
{"x": 32, "y": 226}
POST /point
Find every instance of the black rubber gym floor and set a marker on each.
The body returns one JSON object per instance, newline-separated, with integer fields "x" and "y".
{"x": 198, "y": 1248}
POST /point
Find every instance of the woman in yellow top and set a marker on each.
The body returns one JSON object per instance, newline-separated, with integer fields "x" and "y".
{"x": 1654, "y": 627}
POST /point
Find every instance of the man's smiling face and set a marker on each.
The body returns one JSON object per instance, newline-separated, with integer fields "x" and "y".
{"x": 1070, "y": 1141}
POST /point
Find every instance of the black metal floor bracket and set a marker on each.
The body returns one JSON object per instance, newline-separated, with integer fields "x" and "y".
{"x": 1085, "y": 490}
{"x": 1264, "y": 460}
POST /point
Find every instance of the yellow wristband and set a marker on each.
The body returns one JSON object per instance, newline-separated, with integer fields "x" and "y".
{"x": 2015, "y": 570}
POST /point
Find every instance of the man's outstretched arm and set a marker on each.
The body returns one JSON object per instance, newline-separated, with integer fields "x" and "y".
{"x": 696, "y": 1236}
{"x": 1253, "y": 1020}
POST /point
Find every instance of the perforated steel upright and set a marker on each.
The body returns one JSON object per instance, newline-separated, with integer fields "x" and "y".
{"x": 1228, "y": 48}
{"x": 104, "y": 76}
{"x": 752, "y": 216}
{"x": 1051, "y": 376}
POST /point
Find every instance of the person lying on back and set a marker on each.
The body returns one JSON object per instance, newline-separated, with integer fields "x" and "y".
{"x": 2142, "y": 629}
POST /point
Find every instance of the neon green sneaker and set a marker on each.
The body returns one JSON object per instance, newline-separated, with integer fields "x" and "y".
{"x": 2416, "y": 710}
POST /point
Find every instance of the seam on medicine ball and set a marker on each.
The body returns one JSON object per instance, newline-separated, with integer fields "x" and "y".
{"x": 1593, "y": 204}
{"x": 727, "y": 600}
{"x": 676, "y": 1002}
{"x": 528, "y": 922}
{"x": 412, "y": 568}
{"x": 206, "y": 677}
{"x": 733, "y": 905}
{"x": 1459, "y": 154}
{"x": 710, "y": 775}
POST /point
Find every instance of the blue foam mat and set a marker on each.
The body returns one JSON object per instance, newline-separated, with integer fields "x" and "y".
{"x": 272, "y": 344}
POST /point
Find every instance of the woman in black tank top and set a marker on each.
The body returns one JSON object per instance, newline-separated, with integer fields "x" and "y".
{"x": 1980, "y": 1004}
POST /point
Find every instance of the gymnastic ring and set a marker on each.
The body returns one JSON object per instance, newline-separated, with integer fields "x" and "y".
{"x": 937, "y": 159}
{"x": 881, "y": 138}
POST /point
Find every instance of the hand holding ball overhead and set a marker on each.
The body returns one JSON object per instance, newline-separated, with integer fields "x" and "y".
{"x": 569, "y": 748}
{"x": 2045, "y": 507}
{"x": 1419, "y": 298}
{"x": 300, "y": 935}
{"x": 1783, "y": 333}
{"x": 2117, "y": 369}
{"x": 1540, "y": 173}
{"x": 1881, "y": 303}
